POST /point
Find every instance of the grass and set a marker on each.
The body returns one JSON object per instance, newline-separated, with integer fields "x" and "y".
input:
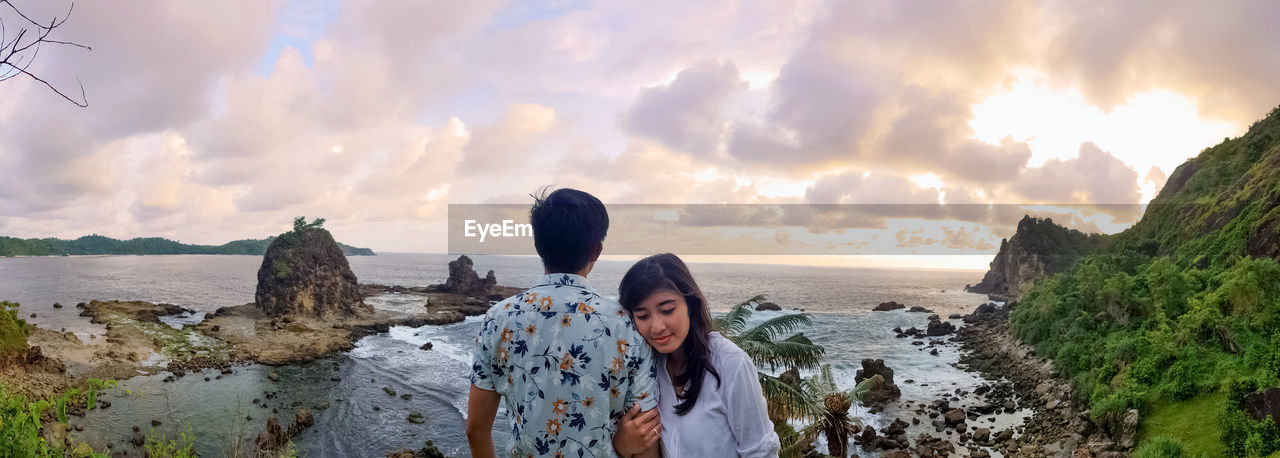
{"x": 1193, "y": 422}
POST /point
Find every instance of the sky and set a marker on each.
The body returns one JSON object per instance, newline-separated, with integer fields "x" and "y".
{"x": 209, "y": 122}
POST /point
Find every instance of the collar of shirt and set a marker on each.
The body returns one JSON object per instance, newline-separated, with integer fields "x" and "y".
{"x": 562, "y": 279}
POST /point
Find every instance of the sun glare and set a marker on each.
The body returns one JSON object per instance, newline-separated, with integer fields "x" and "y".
{"x": 1157, "y": 128}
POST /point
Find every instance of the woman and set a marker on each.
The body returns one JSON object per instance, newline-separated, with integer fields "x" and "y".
{"x": 710, "y": 403}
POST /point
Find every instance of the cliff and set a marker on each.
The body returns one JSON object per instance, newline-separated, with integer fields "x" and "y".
{"x": 1039, "y": 248}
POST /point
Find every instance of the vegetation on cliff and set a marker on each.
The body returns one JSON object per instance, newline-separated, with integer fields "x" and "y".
{"x": 1182, "y": 305}
{"x": 13, "y": 331}
{"x": 97, "y": 244}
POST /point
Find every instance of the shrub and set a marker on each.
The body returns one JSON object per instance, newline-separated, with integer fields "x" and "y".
{"x": 13, "y": 331}
{"x": 1244, "y": 436}
{"x": 160, "y": 446}
{"x": 1160, "y": 447}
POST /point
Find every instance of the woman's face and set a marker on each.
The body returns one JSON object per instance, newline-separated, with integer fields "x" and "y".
{"x": 663, "y": 320}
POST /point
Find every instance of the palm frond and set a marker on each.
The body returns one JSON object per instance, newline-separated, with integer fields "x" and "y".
{"x": 778, "y": 326}
{"x": 733, "y": 323}
{"x": 824, "y": 382}
{"x": 788, "y": 401}
{"x": 863, "y": 390}
{"x": 796, "y": 352}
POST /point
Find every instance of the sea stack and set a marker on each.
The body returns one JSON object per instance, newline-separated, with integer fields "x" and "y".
{"x": 304, "y": 273}
{"x": 464, "y": 280}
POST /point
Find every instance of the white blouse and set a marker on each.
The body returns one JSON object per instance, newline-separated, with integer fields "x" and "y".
{"x": 727, "y": 421}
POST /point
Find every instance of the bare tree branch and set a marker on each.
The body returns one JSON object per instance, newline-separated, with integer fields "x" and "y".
{"x": 55, "y": 90}
{"x": 16, "y": 57}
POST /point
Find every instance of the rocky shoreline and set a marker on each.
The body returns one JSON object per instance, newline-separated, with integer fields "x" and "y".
{"x": 139, "y": 341}
{"x": 1053, "y": 423}
{"x": 1059, "y": 425}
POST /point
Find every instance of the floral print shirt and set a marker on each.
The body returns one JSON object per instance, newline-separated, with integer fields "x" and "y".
{"x": 568, "y": 363}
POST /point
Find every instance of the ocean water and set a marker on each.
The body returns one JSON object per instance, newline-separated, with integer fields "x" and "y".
{"x": 344, "y": 390}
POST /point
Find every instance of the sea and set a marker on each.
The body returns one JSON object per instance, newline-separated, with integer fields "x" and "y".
{"x": 355, "y": 414}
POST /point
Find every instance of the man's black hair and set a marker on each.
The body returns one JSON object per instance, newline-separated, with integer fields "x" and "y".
{"x": 568, "y": 228}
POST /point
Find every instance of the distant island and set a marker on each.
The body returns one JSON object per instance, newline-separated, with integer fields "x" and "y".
{"x": 97, "y": 244}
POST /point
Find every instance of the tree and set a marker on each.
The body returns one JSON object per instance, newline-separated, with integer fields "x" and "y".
{"x": 17, "y": 54}
{"x": 300, "y": 224}
{"x": 765, "y": 345}
{"x": 835, "y": 422}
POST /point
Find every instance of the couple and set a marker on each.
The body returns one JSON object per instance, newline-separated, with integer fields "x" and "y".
{"x": 585, "y": 376}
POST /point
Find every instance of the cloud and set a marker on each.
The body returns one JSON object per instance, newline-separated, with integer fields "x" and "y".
{"x": 687, "y": 115}
{"x": 932, "y": 133}
{"x": 1155, "y": 177}
{"x": 858, "y": 187}
{"x": 1223, "y": 56}
{"x": 515, "y": 135}
{"x": 821, "y": 106}
{"x": 1092, "y": 177}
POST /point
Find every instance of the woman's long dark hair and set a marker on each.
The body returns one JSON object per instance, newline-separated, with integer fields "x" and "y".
{"x": 666, "y": 272}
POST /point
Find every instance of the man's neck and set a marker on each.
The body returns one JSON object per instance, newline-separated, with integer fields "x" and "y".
{"x": 581, "y": 273}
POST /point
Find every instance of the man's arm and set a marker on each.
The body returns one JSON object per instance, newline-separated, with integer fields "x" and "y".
{"x": 482, "y": 407}
{"x": 643, "y": 392}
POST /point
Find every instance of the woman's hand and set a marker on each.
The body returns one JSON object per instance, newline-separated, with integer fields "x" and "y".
{"x": 637, "y": 431}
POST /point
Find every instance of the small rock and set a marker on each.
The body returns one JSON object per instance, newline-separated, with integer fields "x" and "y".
{"x": 1004, "y": 435}
{"x": 155, "y": 422}
{"x": 57, "y": 305}
{"x": 274, "y": 377}
{"x": 982, "y": 434}
{"x": 305, "y": 418}
{"x": 425, "y": 346}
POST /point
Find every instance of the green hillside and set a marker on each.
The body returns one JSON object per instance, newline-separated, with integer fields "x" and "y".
{"x": 97, "y": 244}
{"x": 1183, "y": 307}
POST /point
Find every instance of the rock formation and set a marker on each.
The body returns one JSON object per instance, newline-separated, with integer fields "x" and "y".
{"x": 1264, "y": 403}
{"x": 464, "y": 280}
{"x": 937, "y": 327}
{"x": 885, "y": 393}
{"x": 1039, "y": 248}
{"x": 887, "y": 306}
{"x": 768, "y": 306}
{"x": 304, "y": 273}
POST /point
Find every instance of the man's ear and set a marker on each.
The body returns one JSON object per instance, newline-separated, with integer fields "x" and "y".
{"x": 595, "y": 253}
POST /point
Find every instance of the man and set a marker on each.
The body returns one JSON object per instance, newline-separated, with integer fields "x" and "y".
{"x": 567, "y": 361}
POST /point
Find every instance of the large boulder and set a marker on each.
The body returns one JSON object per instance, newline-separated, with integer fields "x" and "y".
{"x": 768, "y": 306}
{"x": 982, "y": 313}
{"x": 883, "y": 393}
{"x": 304, "y": 273}
{"x": 1263, "y": 403}
{"x": 887, "y": 306}
{"x": 937, "y": 327}
{"x": 464, "y": 280}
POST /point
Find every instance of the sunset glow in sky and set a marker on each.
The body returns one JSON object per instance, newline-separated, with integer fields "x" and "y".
{"x": 222, "y": 121}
